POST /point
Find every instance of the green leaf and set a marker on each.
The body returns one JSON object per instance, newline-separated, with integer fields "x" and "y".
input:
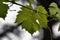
{"x": 42, "y": 20}
{"x": 58, "y": 14}
{"x": 41, "y": 17}
{"x": 3, "y": 9}
{"x": 29, "y": 23}
{"x": 41, "y": 9}
{"x": 53, "y": 8}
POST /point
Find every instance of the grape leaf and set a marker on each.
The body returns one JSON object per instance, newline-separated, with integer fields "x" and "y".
{"x": 58, "y": 14}
{"x": 41, "y": 9}
{"x": 3, "y": 9}
{"x": 53, "y": 8}
{"x": 29, "y": 23}
{"x": 41, "y": 17}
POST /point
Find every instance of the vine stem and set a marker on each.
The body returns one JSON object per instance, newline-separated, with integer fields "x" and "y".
{"x": 29, "y": 8}
{"x": 50, "y": 33}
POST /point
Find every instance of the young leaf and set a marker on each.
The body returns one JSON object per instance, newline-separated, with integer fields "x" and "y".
{"x": 53, "y": 8}
{"x": 41, "y": 9}
{"x": 41, "y": 17}
{"x": 3, "y": 9}
{"x": 58, "y": 14}
{"x": 29, "y": 23}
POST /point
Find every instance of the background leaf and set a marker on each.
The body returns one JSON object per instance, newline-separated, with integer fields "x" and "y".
{"x": 53, "y": 8}
{"x": 58, "y": 15}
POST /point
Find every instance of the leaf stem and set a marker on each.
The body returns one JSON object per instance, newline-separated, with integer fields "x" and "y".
{"x": 29, "y": 8}
{"x": 50, "y": 33}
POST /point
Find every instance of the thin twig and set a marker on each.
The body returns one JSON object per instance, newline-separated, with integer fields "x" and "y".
{"x": 29, "y": 8}
{"x": 50, "y": 33}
